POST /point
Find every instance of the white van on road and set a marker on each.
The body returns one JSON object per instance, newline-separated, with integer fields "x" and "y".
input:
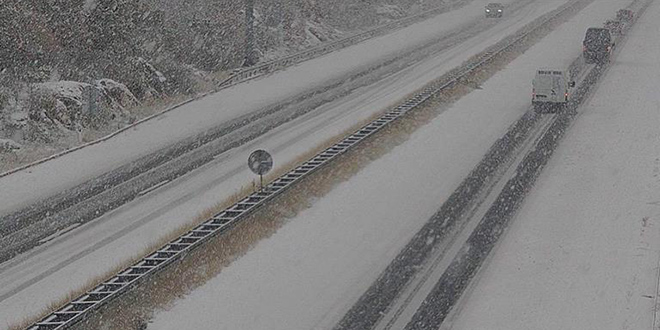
{"x": 551, "y": 89}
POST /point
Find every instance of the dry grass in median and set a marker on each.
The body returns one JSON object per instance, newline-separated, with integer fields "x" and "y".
{"x": 201, "y": 217}
{"x": 138, "y": 306}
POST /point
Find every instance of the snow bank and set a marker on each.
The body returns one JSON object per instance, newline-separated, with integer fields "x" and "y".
{"x": 75, "y": 104}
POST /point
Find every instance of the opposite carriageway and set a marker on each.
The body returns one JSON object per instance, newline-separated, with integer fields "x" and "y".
{"x": 26, "y": 228}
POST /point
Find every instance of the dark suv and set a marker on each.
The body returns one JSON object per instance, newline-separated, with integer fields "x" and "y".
{"x": 625, "y": 15}
{"x": 597, "y": 45}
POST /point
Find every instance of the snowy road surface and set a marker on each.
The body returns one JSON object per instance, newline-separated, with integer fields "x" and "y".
{"x": 39, "y": 182}
{"x": 34, "y": 279}
{"x": 313, "y": 269}
{"x": 101, "y": 195}
{"x": 583, "y": 252}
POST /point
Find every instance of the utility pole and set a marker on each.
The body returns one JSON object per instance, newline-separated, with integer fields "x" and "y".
{"x": 250, "y": 55}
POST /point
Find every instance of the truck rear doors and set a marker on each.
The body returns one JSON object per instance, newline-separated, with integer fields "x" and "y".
{"x": 550, "y": 86}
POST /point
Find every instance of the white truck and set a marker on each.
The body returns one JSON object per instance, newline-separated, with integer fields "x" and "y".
{"x": 551, "y": 89}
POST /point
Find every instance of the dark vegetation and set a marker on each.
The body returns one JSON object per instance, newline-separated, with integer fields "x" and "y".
{"x": 156, "y": 48}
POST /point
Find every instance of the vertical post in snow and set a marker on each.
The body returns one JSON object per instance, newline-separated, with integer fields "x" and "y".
{"x": 260, "y": 162}
{"x": 250, "y": 58}
{"x": 90, "y": 100}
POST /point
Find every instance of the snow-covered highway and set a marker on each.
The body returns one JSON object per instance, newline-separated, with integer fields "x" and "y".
{"x": 583, "y": 251}
{"x": 309, "y": 273}
{"x": 33, "y": 280}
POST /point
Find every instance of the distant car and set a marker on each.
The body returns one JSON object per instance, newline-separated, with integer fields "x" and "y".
{"x": 625, "y": 15}
{"x": 551, "y": 89}
{"x": 494, "y": 9}
{"x": 597, "y": 45}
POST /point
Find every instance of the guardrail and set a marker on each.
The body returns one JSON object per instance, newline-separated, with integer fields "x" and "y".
{"x": 24, "y": 228}
{"x": 78, "y": 309}
{"x": 75, "y": 310}
{"x": 243, "y": 75}
{"x": 275, "y": 65}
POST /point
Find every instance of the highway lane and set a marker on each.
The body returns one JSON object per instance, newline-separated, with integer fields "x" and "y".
{"x": 47, "y": 272}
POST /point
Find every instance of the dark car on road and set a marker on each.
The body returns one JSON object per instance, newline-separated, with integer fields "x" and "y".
{"x": 625, "y": 15}
{"x": 494, "y": 9}
{"x": 597, "y": 45}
